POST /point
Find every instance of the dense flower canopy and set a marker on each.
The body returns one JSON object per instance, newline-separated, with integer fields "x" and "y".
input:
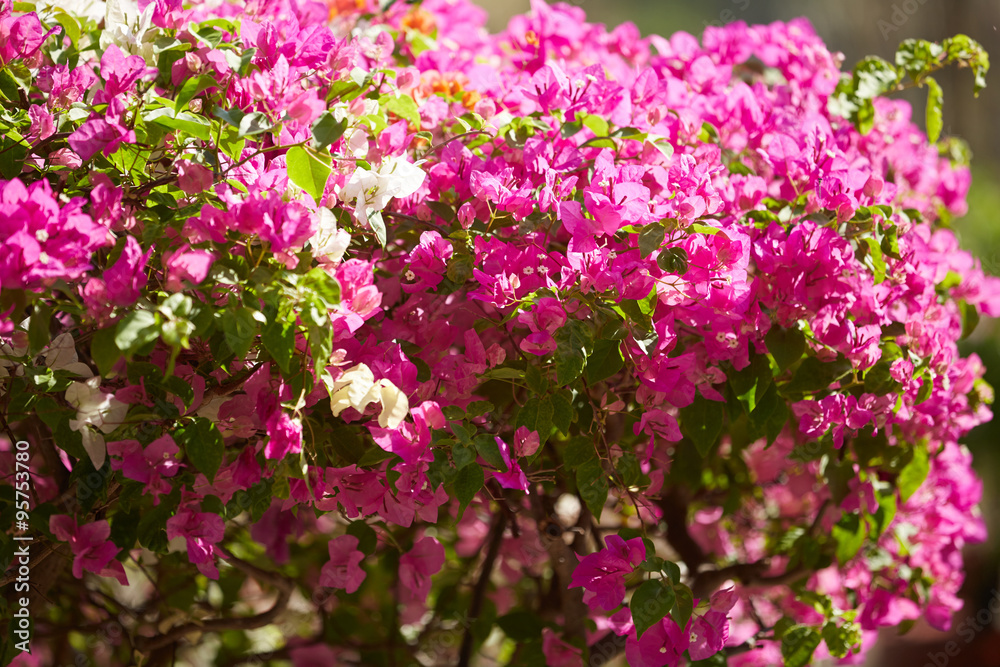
{"x": 557, "y": 344}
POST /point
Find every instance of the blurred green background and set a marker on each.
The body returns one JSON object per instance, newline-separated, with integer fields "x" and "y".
{"x": 875, "y": 27}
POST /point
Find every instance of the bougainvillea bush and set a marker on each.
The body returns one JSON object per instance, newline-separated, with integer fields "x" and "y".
{"x": 346, "y": 334}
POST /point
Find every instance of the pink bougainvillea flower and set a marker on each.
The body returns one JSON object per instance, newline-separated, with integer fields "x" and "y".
{"x": 343, "y": 570}
{"x": 526, "y": 442}
{"x": 190, "y": 265}
{"x": 418, "y": 564}
{"x": 284, "y": 435}
{"x": 513, "y": 477}
{"x": 603, "y": 572}
{"x": 193, "y": 178}
{"x": 202, "y": 531}
{"x": 149, "y": 464}
{"x": 102, "y": 135}
{"x": 125, "y": 279}
{"x": 662, "y": 645}
{"x": 92, "y": 550}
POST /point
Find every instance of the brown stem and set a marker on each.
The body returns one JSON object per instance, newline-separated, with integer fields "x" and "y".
{"x": 492, "y": 549}
{"x": 675, "y": 511}
{"x": 158, "y": 642}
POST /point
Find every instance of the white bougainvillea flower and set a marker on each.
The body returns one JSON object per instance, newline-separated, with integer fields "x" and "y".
{"x": 357, "y": 388}
{"x": 98, "y": 409}
{"x": 60, "y": 355}
{"x": 127, "y": 27}
{"x": 328, "y": 242}
{"x": 395, "y": 177}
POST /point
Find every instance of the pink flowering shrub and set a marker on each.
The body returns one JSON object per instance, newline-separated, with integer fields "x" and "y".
{"x": 422, "y": 344}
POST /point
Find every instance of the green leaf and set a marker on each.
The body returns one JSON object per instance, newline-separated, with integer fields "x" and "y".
{"x": 878, "y": 379}
{"x": 12, "y": 154}
{"x": 579, "y": 450}
{"x": 137, "y": 329}
{"x": 462, "y": 455}
{"x": 202, "y": 444}
{"x": 838, "y": 476}
{"x": 785, "y": 345}
{"x": 69, "y": 24}
{"x": 373, "y": 457}
{"x": 683, "y": 606}
{"x": 866, "y": 117}
{"x": 38, "y": 328}
{"x": 309, "y": 169}
{"x": 254, "y": 123}
{"x": 460, "y": 268}
{"x": 405, "y": 107}
{"x": 487, "y": 447}
{"x": 874, "y": 76}
{"x": 886, "y": 511}
{"x": 573, "y": 342}
{"x": 192, "y": 87}
{"x": 463, "y": 432}
{"x": 650, "y": 238}
{"x": 9, "y": 86}
{"x": 970, "y": 318}
{"x": 702, "y": 421}
{"x": 468, "y": 482}
{"x": 240, "y": 329}
{"x": 628, "y": 468}
{"x": 849, "y": 533}
{"x": 596, "y": 124}
{"x": 935, "y": 101}
{"x": 914, "y": 474}
{"x": 327, "y": 130}
{"x": 367, "y": 539}
{"x": 752, "y": 382}
{"x": 674, "y": 260}
{"x": 798, "y": 644}
{"x": 650, "y": 603}
{"x": 878, "y": 261}
{"x": 521, "y": 626}
{"x": 813, "y": 375}
{"x": 604, "y": 361}
{"x": 231, "y": 116}
{"x": 104, "y": 351}
{"x": 535, "y": 380}
{"x": 347, "y": 443}
{"x": 562, "y": 410}
{"x": 592, "y": 483}
{"x": 841, "y": 641}
{"x": 185, "y": 121}
{"x": 926, "y": 389}
{"x": 278, "y": 337}
{"x": 151, "y": 531}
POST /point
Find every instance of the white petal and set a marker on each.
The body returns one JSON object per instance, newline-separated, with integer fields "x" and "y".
{"x": 61, "y": 352}
{"x": 395, "y": 405}
{"x": 97, "y": 450}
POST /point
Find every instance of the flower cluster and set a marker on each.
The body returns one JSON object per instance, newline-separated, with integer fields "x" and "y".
{"x": 366, "y": 312}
